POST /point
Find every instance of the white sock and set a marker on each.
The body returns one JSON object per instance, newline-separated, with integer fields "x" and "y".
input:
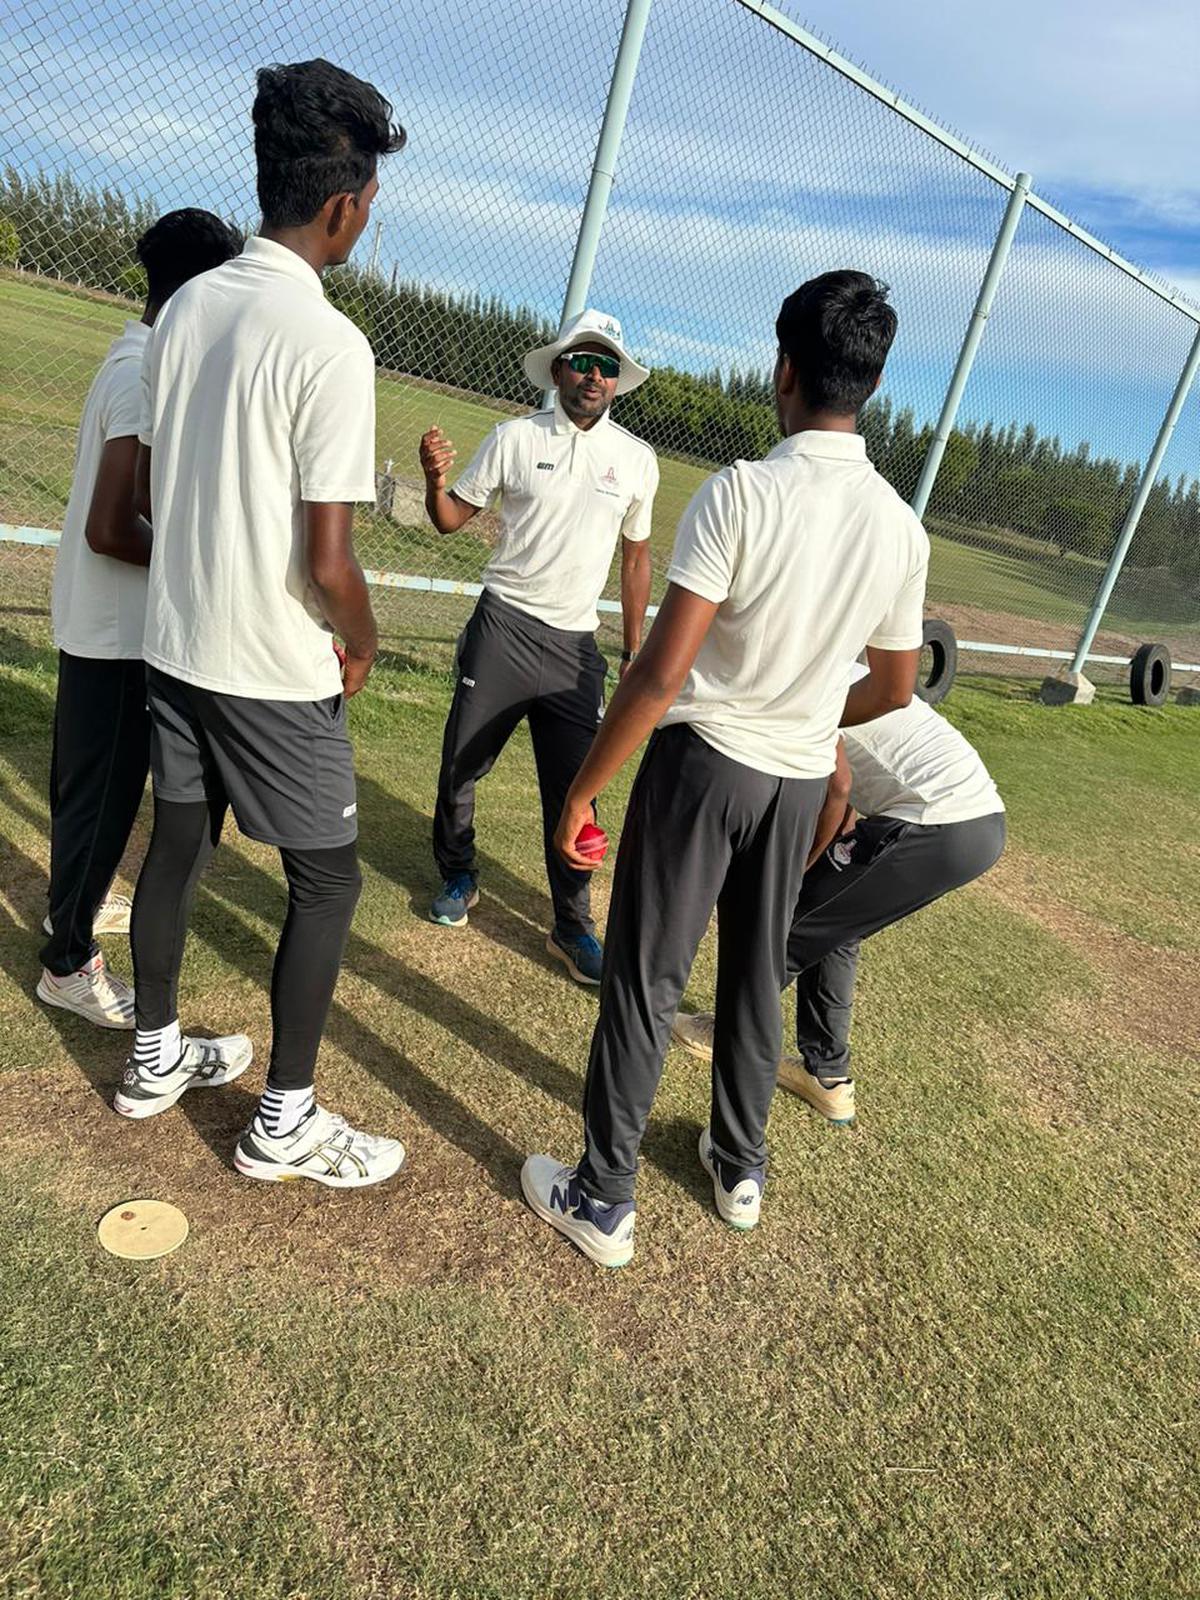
{"x": 157, "y": 1048}
{"x": 282, "y": 1110}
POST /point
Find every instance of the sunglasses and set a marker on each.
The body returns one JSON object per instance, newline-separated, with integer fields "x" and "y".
{"x": 583, "y": 361}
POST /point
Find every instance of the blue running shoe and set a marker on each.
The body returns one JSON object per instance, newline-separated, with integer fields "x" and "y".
{"x": 583, "y": 957}
{"x": 738, "y": 1203}
{"x": 458, "y": 895}
{"x": 603, "y": 1233}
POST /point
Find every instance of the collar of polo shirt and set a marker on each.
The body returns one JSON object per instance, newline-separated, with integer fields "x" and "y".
{"x": 823, "y": 442}
{"x": 563, "y": 424}
{"x": 278, "y": 258}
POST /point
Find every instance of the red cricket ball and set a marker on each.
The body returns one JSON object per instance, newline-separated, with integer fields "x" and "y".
{"x": 592, "y": 841}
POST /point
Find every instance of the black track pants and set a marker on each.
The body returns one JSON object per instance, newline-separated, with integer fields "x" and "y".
{"x": 883, "y": 871}
{"x": 511, "y": 666}
{"x": 701, "y": 831}
{"x": 323, "y": 889}
{"x": 97, "y": 774}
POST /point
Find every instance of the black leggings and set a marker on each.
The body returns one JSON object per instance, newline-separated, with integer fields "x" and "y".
{"x": 323, "y": 889}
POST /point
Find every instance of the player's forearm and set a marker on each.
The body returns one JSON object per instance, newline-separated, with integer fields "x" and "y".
{"x": 635, "y": 594}
{"x": 446, "y": 513}
{"x": 869, "y": 699}
{"x": 345, "y": 603}
{"x": 641, "y": 700}
{"x": 129, "y": 540}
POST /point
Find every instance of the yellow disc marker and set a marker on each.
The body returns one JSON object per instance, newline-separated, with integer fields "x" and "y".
{"x": 139, "y": 1230}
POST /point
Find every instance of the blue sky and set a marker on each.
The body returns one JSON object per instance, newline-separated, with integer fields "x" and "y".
{"x": 746, "y": 166}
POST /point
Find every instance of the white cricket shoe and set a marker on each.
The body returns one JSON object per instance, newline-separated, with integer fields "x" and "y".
{"x": 202, "y": 1064}
{"x": 93, "y": 993}
{"x": 112, "y": 916}
{"x": 603, "y": 1233}
{"x": 739, "y": 1206}
{"x": 694, "y": 1030}
{"x": 323, "y": 1147}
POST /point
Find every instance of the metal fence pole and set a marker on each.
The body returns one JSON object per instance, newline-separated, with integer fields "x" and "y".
{"x": 970, "y": 344}
{"x": 1133, "y": 515}
{"x": 605, "y": 164}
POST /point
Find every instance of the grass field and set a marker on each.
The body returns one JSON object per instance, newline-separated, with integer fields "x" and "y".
{"x": 1002, "y": 588}
{"x": 956, "y": 1360}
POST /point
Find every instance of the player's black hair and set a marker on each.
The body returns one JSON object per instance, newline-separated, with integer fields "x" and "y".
{"x": 837, "y": 330}
{"x": 181, "y": 244}
{"x": 318, "y": 131}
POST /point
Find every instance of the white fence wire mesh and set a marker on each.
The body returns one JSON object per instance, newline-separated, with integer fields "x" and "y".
{"x": 734, "y": 183}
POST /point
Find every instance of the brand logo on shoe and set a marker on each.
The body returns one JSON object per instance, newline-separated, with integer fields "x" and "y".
{"x": 129, "y": 1075}
{"x": 560, "y": 1199}
{"x": 744, "y": 1200}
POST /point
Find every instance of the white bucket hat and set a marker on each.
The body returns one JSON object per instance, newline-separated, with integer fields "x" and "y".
{"x": 589, "y": 327}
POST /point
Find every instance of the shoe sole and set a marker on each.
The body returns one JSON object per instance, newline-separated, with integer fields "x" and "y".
{"x": 273, "y": 1172}
{"x": 580, "y": 977}
{"x": 449, "y": 922}
{"x": 617, "y": 1256}
{"x": 719, "y": 1194}
{"x": 690, "y": 1045}
{"x": 138, "y": 1110}
{"x": 63, "y": 1004}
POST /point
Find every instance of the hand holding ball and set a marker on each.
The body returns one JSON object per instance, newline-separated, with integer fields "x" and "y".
{"x": 592, "y": 841}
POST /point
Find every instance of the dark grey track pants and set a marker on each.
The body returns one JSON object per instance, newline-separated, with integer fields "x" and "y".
{"x": 98, "y": 769}
{"x": 883, "y": 871}
{"x": 510, "y": 666}
{"x": 701, "y": 831}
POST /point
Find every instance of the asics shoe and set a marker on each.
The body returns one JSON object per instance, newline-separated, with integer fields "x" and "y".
{"x": 459, "y": 894}
{"x": 112, "y": 916}
{"x": 322, "y": 1147}
{"x": 202, "y": 1064}
{"x": 739, "y": 1201}
{"x": 93, "y": 993}
{"x": 583, "y": 957}
{"x": 603, "y": 1233}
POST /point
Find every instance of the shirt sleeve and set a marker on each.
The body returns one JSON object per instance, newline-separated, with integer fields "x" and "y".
{"x": 636, "y": 526}
{"x": 484, "y": 475}
{"x": 145, "y": 423}
{"x": 903, "y": 625}
{"x": 708, "y": 540}
{"x": 123, "y": 413}
{"x": 333, "y": 437}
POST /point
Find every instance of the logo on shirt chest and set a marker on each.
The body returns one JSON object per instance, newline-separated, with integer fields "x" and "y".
{"x": 545, "y": 466}
{"x": 608, "y": 482}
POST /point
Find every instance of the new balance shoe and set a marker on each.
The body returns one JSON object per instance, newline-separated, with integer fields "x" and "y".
{"x": 603, "y": 1233}
{"x": 834, "y": 1101}
{"x": 739, "y": 1201}
{"x": 459, "y": 894}
{"x": 694, "y": 1031}
{"x": 583, "y": 957}
{"x": 112, "y": 916}
{"x": 202, "y": 1064}
{"x": 322, "y": 1147}
{"x": 93, "y": 993}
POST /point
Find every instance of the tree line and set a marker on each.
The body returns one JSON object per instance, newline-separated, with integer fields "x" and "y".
{"x": 1006, "y": 478}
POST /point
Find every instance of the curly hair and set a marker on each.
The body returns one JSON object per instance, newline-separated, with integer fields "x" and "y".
{"x": 836, "y": 330}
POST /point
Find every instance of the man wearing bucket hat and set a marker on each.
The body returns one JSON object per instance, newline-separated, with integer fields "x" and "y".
{"x": 570, "y": 481}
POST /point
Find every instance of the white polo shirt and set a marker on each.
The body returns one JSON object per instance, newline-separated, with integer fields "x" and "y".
{"x": 259, "y": 396}
{"x": 810, "y": 556}
{"x": 98, "y": 604}
{"x": 566, "y": 493}
{"x": 913, "y": 765}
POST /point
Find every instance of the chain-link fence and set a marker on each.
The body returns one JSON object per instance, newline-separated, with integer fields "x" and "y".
{"x": 116, "y": 111}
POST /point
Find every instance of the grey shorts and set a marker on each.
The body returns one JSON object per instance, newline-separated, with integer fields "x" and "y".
{"x": 284, "y": 766}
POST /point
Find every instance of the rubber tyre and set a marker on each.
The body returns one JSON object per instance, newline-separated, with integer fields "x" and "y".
{"x": 934, "y": 685}
{"x": 1150, "y": 675}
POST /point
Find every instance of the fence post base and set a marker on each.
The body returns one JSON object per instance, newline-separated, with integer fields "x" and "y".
{"x": 1067, "y": 689}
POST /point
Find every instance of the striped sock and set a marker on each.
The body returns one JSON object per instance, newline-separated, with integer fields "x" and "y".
{"x": 280, "y": 1111}
{"x": 157, "y": 1049}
